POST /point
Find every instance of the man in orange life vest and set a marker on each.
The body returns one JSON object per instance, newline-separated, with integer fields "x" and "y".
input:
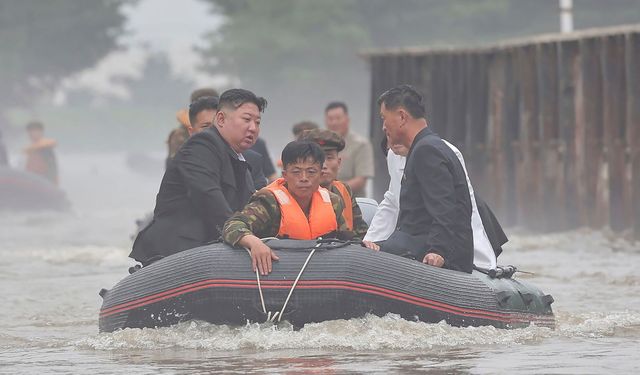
{"x": 294, "y": 206}
{"x": 332, "y": 143}
{"x": 41, "y": 159}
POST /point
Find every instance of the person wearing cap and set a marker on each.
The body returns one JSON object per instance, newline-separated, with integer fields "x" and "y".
{"x": 302, "y": 127}
{"x": 332, "y": 144}
{"x": 294, "y": 206}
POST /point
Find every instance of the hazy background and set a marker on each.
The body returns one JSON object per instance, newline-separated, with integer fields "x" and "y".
{"x": 109, "y": 75}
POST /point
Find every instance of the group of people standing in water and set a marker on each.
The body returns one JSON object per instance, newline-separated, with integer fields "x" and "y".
{"x": 215, "y": 187}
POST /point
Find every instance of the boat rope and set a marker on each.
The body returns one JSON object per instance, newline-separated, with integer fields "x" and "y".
{"x": 278, "y": 314}
{"x": 264, "y": 309}
{"x": 296, "y": 282}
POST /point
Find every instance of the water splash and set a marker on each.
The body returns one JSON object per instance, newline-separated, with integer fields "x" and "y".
{"x": 364, "y": 334}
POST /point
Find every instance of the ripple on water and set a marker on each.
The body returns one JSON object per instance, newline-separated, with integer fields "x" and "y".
{"x": 364, "y": 334}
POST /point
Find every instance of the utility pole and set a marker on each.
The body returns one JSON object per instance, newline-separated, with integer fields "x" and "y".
{"x": 566, "y": 16}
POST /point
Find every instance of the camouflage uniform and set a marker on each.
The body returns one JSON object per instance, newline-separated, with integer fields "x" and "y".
{"x": 329, "y": 140}
{"x": 261, "y": 217}
{"x": 360, "y": 226}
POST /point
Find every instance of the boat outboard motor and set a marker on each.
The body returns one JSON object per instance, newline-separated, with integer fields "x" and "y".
{"x": 501, "y": 272}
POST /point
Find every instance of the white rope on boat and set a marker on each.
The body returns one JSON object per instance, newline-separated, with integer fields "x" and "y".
{"x": 278, "y": 314}
{"x": 264, "y": 309}
{"x": 296, "y": 282}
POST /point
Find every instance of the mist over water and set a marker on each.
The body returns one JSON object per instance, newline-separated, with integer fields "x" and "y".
{"x": 54, "y": 264}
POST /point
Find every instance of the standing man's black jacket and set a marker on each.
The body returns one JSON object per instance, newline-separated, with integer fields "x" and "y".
{"x": 256, "y": 165}
{"x": 435, "y": 208}
{"x": 202, "y": 186}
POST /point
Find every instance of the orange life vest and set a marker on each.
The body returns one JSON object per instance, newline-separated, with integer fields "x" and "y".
{"x": 347, "y": 212}
{"x": 294, "y": 223}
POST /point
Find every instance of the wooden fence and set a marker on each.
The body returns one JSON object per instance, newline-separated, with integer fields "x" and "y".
{"x": 549, "y": 126}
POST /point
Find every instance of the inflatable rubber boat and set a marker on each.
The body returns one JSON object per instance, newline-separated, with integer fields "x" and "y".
{"x": 315, "y": 282}
{"x": 20, "y": 190}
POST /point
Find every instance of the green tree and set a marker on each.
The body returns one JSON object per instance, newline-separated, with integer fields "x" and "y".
{"x": 42, "y": 42}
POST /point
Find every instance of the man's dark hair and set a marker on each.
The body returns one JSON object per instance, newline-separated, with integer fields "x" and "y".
{"x": 234, "y": 98}
{"x": 297, "y": 151}
{"x": 404, "y": 96}
{"x": 334, "y": 105}
{"x": 201, "y": 104}
{"x": 300, "y": 127}
{"x": 200, "y": 93}
{"x": 35, "y": 125}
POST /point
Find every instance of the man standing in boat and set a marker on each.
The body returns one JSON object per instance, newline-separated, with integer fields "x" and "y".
{"x": 294, "y": 206}
{"x": 332, "y": 143}
{"x": 206, "y": 181}
{"x": 434, "y": 224}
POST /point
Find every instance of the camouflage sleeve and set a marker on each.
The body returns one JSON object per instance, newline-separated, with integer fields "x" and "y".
{"x": 260, "y": 217}
{"x": 360, "y": 227}
{"x": 343, "y": 230}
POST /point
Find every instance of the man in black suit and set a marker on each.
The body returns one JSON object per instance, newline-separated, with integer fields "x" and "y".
{"x": 206, "y": 181}
{"x": 434, "y": 224}
{"x": 202, "y": 113}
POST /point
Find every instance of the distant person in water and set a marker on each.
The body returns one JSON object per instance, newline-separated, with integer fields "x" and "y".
{"x": 41, "y": 159}
{"x": 206, "y": 181}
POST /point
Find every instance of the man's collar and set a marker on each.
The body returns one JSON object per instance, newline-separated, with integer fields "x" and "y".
{"x": 230, "y": 150}
{"x": 421, "y": 134}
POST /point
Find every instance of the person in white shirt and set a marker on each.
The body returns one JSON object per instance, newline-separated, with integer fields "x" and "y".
{"x": 386, "y": 216}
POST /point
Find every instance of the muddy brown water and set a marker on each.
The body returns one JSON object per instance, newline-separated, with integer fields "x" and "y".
{"x": 52, "y": 266}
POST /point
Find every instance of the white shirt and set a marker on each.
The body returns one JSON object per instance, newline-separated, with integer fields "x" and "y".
{"x": 386, "y": 217}
{"x": 483, "y": 254}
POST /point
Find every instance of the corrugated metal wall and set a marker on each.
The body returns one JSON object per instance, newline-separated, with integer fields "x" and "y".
{"x": 549, "y": 127}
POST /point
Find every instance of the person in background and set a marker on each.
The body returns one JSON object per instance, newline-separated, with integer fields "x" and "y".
{"x": 357, "y": 157}
{"x": 301, "y": 127}
{"x": 434, "y": 223}
{"x": 332, "y": 144}
{"x": 179, "y": 135}
{"x": 294, "y": 206}
{"x": 267, "y": 165}
{"x": 41, "y": 158}
{"x": 206, "y": 181}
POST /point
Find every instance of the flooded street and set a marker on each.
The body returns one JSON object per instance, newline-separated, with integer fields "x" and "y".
{"x": 54, "y": 264}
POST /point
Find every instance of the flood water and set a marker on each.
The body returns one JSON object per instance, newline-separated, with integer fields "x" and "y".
{"x": 53, "y": 265}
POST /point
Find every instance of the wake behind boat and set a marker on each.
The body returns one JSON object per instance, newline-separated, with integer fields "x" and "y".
{"x": 214, "y": 283}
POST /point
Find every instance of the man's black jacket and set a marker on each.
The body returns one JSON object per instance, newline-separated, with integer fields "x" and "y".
{"x": 202, "y": 186}
{"x": 435, "y": 207}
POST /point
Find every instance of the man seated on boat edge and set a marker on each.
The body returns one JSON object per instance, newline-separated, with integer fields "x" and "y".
{"x": 434, "y": 221}
{"x": 294, "y": 206}
{"x": 332, "y": 143}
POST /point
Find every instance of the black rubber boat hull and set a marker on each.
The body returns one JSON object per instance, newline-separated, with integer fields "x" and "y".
{"x": 215, "y": 284}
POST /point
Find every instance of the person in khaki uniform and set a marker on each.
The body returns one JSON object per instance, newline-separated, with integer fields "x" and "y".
{"x": 332, "y": 144}
{"x": 357, "y": 157}
{"x": 294, "y": 206}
